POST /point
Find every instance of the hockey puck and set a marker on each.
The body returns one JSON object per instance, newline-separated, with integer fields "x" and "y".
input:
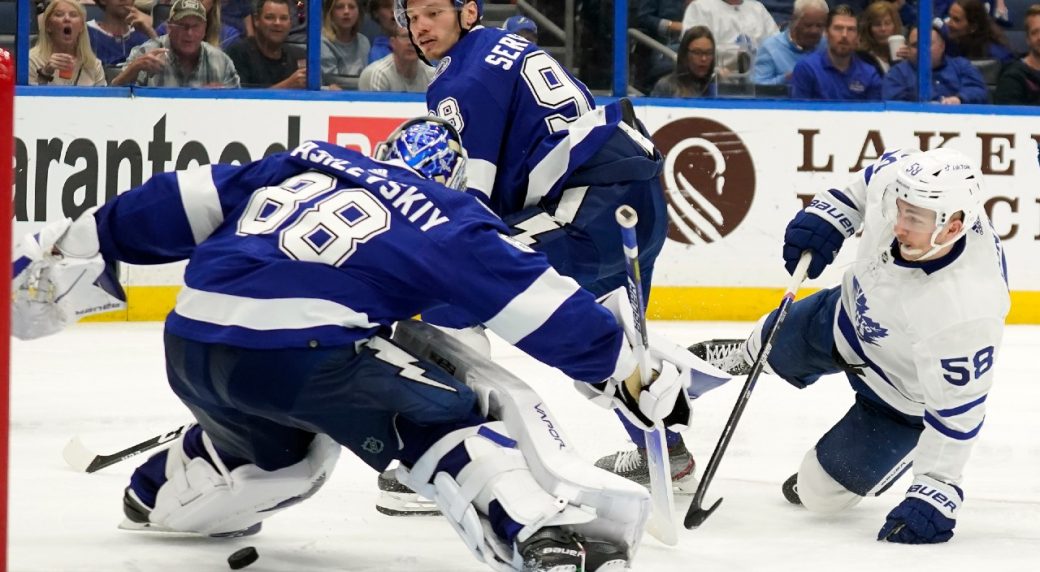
{"x": 242, "y": 558}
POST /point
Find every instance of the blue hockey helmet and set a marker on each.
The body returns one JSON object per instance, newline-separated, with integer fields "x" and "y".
{"x": 430, "y": 147}
{"x": 401, "y": 7}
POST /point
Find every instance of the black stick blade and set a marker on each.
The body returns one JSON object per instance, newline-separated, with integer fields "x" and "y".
{"x": 696, "y": 516}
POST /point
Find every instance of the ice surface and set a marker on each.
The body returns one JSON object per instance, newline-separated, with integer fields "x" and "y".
{"x": 106, "y": 383}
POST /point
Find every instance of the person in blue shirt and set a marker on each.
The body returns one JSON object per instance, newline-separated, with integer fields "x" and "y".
{"x": 837, "y": 73}
{"x": 279, "y": 344}
{"x": 954, "y": 79}
{"x": 542, "y": 156}
{"x": 778, "y": 54}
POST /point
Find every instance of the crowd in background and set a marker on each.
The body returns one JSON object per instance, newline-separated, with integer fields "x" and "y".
{"x": 805, "y": 49}
{"x": 853, "y": 50}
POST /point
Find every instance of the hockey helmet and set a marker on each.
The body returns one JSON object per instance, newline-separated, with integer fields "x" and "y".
{"x": 943, "y": 181}
{"x": 401, "y": 10}
{"x": 429, "y": 146}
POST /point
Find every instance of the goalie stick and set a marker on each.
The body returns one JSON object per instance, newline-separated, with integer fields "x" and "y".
{"x": 79, "y": 457}
{"x": 662, "y": 524}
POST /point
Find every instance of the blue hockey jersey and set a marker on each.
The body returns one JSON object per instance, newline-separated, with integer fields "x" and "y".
{"x": 322, "y": 246}
{"x": 517, "y": 110}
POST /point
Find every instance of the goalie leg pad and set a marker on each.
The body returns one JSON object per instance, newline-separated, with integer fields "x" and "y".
{"x": 468, "y": 471}
{"x": 819, "y": 492}
{"x": 207, "y": 498}
{"x": 621, "y": 506}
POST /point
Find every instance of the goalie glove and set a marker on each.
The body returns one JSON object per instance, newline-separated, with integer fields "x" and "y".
{"x": 664, "y": 399}
{"x": 58, "y": 277}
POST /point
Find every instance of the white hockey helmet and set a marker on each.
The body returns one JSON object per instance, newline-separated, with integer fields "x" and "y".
{"x": 401, "y": 10}
{"x": 943, "y": 181}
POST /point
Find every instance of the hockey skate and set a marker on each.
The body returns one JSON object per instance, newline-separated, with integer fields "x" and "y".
{"x": 633, "y": 466}
{"x": 727, "y": 355}
{"x": 555, "y": 549}
{"x": 790, "y": 490}
{"x": 395, "y": 499}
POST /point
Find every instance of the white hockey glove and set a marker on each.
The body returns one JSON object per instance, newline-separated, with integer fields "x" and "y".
{"x": 663, "y": 399}
{"x": 58, "y": 277}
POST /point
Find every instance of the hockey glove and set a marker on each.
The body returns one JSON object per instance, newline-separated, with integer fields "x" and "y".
{"x": 926, "y": 516}
{"x": 821, "y": 228}
{"x": 58, "y": 276}
{"x": 664, "y": 399}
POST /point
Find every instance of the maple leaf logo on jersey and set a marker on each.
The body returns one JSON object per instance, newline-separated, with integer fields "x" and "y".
{"x": 866, "y": 329}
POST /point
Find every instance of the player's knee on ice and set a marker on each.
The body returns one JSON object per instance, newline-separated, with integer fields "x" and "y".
{"x": 818, "y": 491}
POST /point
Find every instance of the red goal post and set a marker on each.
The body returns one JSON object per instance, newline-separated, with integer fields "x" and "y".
{"x": 6, "y": 180}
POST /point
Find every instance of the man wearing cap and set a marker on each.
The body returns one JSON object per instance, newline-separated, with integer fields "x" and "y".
{"x": 399, "y": 71}
{"x": 522, "y": 26}
{"x": 181, "y": 58}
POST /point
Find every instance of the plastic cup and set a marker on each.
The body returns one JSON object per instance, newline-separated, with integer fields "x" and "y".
{"x": 895, "y": 41}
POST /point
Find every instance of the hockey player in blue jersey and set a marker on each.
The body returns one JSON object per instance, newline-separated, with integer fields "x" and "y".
{"x": 916, "y": 325}
{"x": 550, "y": 163}
{"x": 298, "y": 266}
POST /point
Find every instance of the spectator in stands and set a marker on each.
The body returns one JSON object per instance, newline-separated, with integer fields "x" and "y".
{"x": 123, "y": 28}
{"x": 344, "y": 51}
{"x": 381, "y": 13}
{"x": 181, "y": 58}
{"x": 218, "y": 35}
{"x": 837, "y": 72}
{"x": 954, "y": 79}
{"x": 694, "y": 74}
{"x": 62, "y": 55}
{"x": 661, "y": 19}
{"x": 732, "y": 21}
{"x": 238, "y": 14}
{"x": 777, "y": 56}
{"x": 265, "y": 60}
{"x": 522, "y": 26}
{"x": 876, "y": 24}
{"x": 1019, "y": 82}
{"x": 399, "y": 71}
{"x": 973, "y": 34}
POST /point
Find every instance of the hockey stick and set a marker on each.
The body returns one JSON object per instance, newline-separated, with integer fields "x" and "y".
{"x": 79, "y": 457}
{"x": 696, "y": 515}
{"x": 662, "y": 525}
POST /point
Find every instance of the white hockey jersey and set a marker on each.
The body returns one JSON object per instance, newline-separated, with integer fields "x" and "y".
{"x": 927, "y": 334}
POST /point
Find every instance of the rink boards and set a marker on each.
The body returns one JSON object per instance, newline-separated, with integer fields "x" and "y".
{"x": 734, "y": 176}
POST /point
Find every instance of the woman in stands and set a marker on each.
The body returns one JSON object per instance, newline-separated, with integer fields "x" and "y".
{"x": 972, "y": 33}
{"x": 876, "y": 24}
{"x": 218, "y": 35}
{"x": 344, "y": 51}
{"x": 694, "y": 74}
{"x": 62, "y": 55}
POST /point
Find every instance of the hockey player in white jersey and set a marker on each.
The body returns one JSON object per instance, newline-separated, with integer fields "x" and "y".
{"x": 916, "y": 324}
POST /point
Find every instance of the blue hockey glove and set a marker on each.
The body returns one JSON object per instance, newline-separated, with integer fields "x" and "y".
{"x": 926, "y": 516}
{"x": 821, "y": 228}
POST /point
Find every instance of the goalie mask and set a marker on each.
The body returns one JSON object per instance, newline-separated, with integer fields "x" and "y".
{"x": 430, "y": 147}
{"x": 929, "y": 191}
